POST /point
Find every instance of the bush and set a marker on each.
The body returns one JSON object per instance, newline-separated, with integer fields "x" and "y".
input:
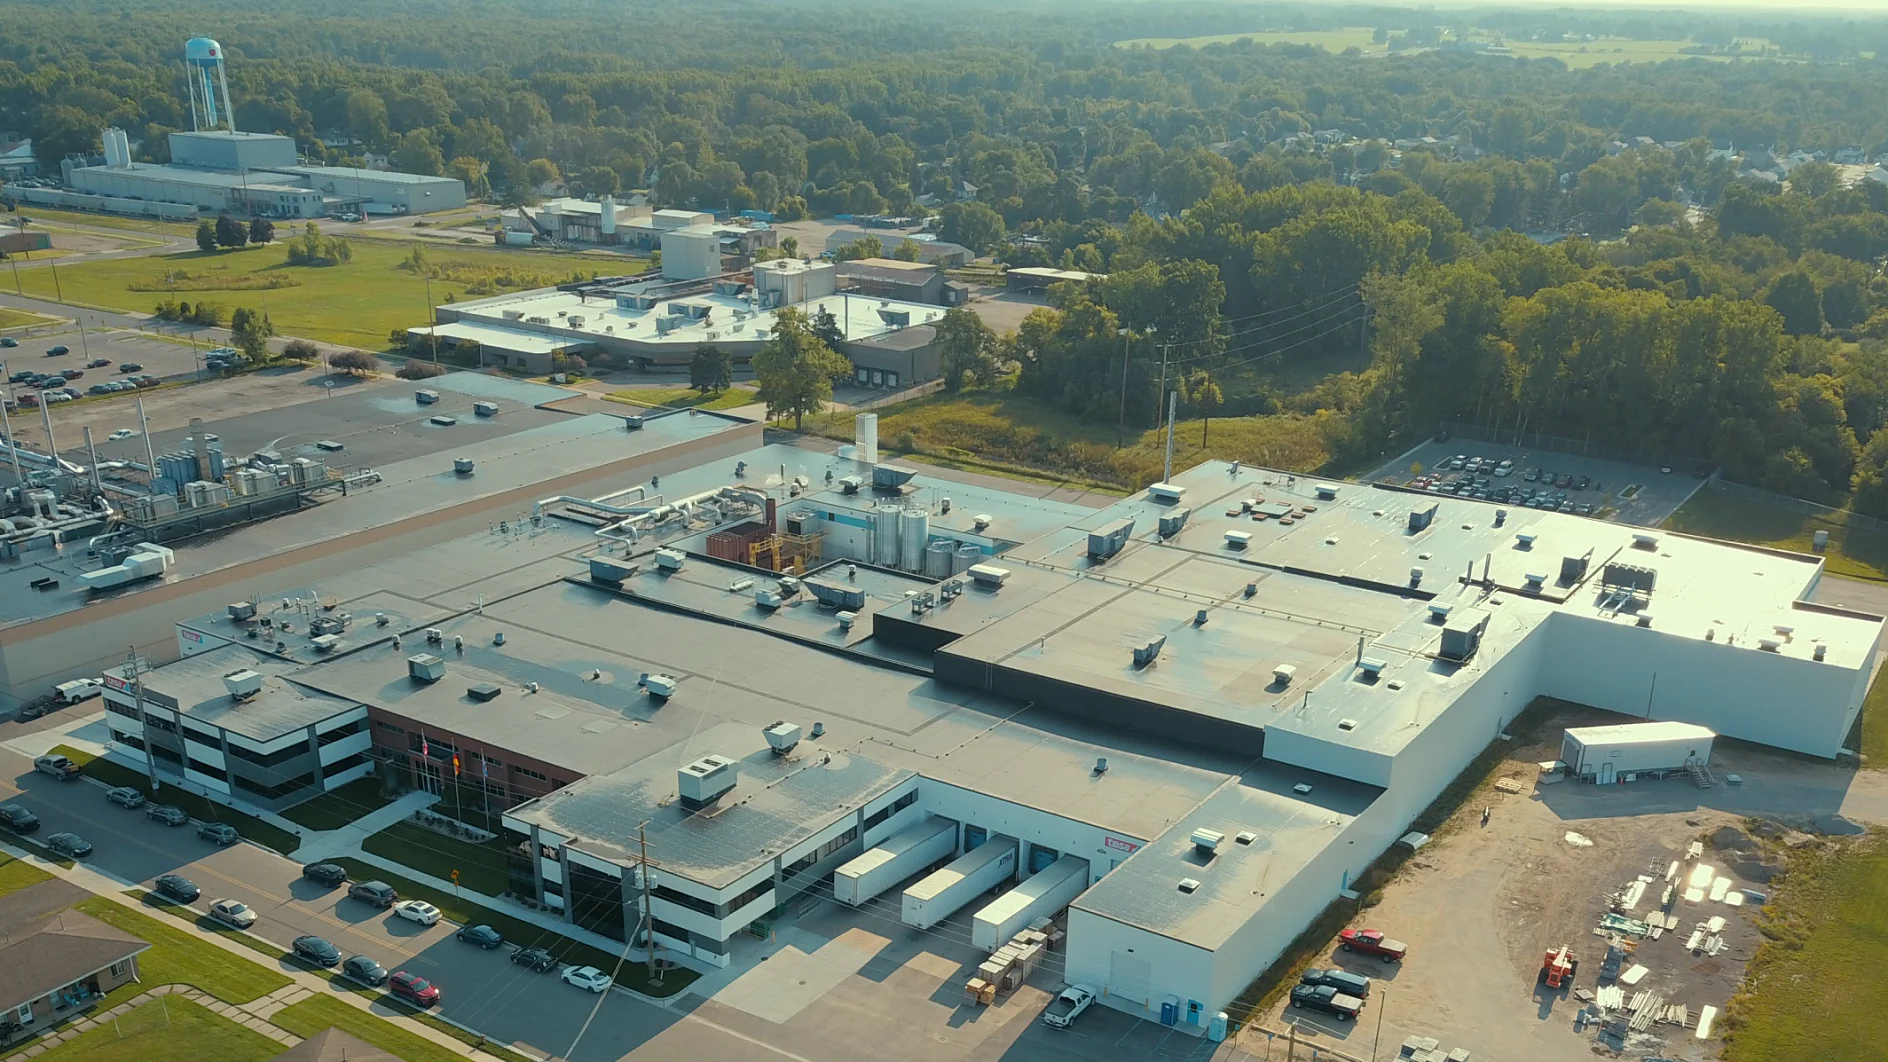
{"x": 354, "y": 362}
{"x": 300, "y": 350}
{"x": 420, "y": 370}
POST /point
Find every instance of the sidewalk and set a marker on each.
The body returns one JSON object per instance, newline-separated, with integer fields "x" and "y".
{"x": 308, "y": 984}
{"x": 253, "y": 1016}
{"x": 346, "y": 841}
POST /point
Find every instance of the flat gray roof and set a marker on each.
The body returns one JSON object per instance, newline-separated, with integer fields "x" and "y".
{"x": 283, "y": 706}
{"x": 387, "y": 176}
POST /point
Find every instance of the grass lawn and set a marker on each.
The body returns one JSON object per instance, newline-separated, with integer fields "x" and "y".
{"x": 311, "y": 1016}
{"x": 333, "y": 810}
{"x": 481, "y": 867}
{"x": 181, "y": 957}
{"x": 424, "y": 1017}
{"x": 154, "y": 902}
{"x": 10, "y": 318}
{"x": 1332, "y": 41}
{"x": 357, "y": 303}
{"x": 109, "y": 221}
{"x": 683, "y": 398}
{"x": 463, "y": 907}
{"x": 1718, "y": 514}
{"x": 167, "y": 1029}
{"x": 17, "y": 874}
{"x": 116, "y": 774}
{"x": 1813, "y": 990}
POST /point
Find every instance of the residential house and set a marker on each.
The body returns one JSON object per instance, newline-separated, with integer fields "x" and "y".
{"x": 56, "y": 963}
{"x": 333, "y": 1045}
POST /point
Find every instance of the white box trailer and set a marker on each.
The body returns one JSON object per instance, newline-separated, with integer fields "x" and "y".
{"x": 1606, "y": 754}
{"x": 1050, "y": 890}
{"x": 896, "y": 859}
{"x": 972, "y": 874}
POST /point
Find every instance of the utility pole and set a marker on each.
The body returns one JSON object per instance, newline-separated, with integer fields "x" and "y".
{"x": 432, "y": 320}
{"x": 1173, "y": 408}
{"x": 1382, "y": 998}
{"x": 137, "y": 699}
{"x": 648, "y": 911}
{"x": 1121, "y": 428}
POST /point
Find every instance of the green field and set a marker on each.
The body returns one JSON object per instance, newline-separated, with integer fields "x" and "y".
{"x": 180, "y": 957}
{"x": 108, "y": 221}
{"x": 683, "y": 398}
{"x": 1718, "y": 514}
{"x": 167, "y": 1029}
{"x": 335, "y": 809}
{"x": 1811, "y": 991}
{"x": 357, "y": 303}
{"x": 1330, "y": 40}
{"x": 311, "y": 1016}
{"x": 10, "y": 318}
{"x": 17, "y": 874}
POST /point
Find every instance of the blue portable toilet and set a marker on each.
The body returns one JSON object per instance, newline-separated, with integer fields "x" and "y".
{"x": 1170, "y": 1011}
{"x": 1194, "y": 1007}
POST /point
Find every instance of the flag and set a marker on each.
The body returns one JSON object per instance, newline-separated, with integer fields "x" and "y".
{"x": 425, "y": 749}
{"x": 455, "y": 764}
{"x": 485, "y": 767}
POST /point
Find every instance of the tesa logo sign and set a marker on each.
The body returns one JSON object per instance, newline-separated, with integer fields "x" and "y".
{"x": 1120, "y": 845}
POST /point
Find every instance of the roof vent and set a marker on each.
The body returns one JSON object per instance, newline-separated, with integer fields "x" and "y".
{"x": 1325, "y": 491}
{"x": 482, "y": 692}
{"x": 1302, "y": 789}
{"x": 1644, "y": 540}
{"x": 1347, "y": 724}
{"x": 1784, "y": 630}
{"x": 1769, "y": 645}
{"x": 1149, "y": 652}
{"x": 1166, "y": 492}
{"x": 1101, "y": 765}
{"x": 1820, "y": 651}
{"x": 1534, "y": 582}
{"x": 1189, "y": 885}
{"x": 1524, "y": 540}
{"x": 782, "y": 736}
{"x": 1246, "y": 837}
{"x": 1440, "y": 613}
{"x": 1208, "y": 840}
{"x": 1644, "y": 619}
{"x": 1501, "y": 517}
{"x": 242, "y": 684}
{"x": 705, "y": 780}
{"x": 1415, "y": 577}
{"x": 1238, "y": 539}
{"x": 1372, "y": 667}
{"x": 1282, "y": 674}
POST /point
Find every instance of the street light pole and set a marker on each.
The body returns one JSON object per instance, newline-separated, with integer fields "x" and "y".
{"x": 1121, "y": 426}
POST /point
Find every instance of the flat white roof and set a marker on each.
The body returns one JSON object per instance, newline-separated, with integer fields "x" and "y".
{"x": 1640, "y": 733}
{"x": 732, "y": 318}
{"x": 508, "y": 338}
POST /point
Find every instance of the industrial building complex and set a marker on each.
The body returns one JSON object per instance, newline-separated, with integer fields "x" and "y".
{"x": 792, "y": 673}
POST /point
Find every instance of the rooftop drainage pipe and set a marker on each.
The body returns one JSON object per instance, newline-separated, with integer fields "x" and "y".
{"x": 601, "y": 503}
{"x": 630, "y": 529}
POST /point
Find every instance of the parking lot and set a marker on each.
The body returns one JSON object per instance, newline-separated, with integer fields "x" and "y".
{"x": 1544, "y": 479}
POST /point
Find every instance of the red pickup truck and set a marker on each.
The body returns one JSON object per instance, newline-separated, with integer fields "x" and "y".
{"x": 1372, "y": 942}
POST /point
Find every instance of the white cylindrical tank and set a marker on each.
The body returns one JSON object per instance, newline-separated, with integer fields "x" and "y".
{"x": 968, "y": 553}
{"x": 937, "y": 558}
{"x": 606, "y": 222}
{"x": 865, "y": 437}
{"x": 885, "y": 536}
{"x": 914, "y": 532}
{"x": 117, "y": 148}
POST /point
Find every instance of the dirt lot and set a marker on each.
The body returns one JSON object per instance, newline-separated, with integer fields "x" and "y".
{"x": 1479, "y": 905}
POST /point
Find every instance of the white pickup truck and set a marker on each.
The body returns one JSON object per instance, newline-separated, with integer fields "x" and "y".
{"x": 78, "y": 690}
{"x": 1068, "y": 1006}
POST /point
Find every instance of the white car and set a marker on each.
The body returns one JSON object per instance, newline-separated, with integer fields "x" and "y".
{"x": 417, "y": 911}
{"x": 121, "y": 433}
{"x": 232, "y": 912}
{"x": 587, "y": 977}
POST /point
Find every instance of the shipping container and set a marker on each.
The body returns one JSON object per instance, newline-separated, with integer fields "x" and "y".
{"x": 896, "y": 859}
{"x": 1607, "y": 754}
{"x": 732, "y": 544}
{"x": 1052, "y": 889}
{"x": 974, "y": 873}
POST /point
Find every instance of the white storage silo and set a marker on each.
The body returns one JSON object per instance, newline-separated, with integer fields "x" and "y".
{"x": 937, "y": 558}
{"x": 885, "y": 536}
{"x": 914, "y": 532}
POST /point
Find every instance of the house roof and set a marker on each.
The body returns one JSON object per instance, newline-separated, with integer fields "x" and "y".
{"x": 44, "y": 950}
{"x": 333, "y": 1045}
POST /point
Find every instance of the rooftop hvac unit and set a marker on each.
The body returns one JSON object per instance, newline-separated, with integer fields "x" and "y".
{"x": 482, "y": 692}
{"x": 1189, "y": 885}
{"x": 1645, "y": 540}
{"x": 1166, "y": 493}
{"x": 1325, "y": 491}
{"x": 1372, "y": 667}
{"x": 610, "y": 570}
{"x": 1770, "y": 645}
{"x": 1643, "y": 619}
{"x": 325, "y": 643}
{"x": 662, "y": 686}
{"x": 242, "y": 684}
{"x": 1501, "y": 517}
{"x": 425, "y": 667}
{"x": 1148, "y": 652}
{"x": 846, "y": 619}
{"x": 1415, "y": 577}
{"x": 442, "y": 421}
{"x": 1534, "y": 581}
{"x": 1283, "y": 674}
{"x": 782, "y": 736}
{"x": 768, "y": 599}
{"x": 988, "y": 576}
{"x": 706, "y": 779}
{"x": 462, "y": 466}
{"x": 1573, "y": 569}
{"x": 242, "y": 610}
{"x": 1238, "y": 539}
{"x": 1208, "y": 840}
{"x": 851, "y": 484}
{"x": 1524, "y": 540}
{"x": 426, "y": 398}
{"x": 1171, "y": 523}
{"x": 485, "y": 409}
{"x": 670, "y": 560}
{"x": 1420, "y": 519}
{"x": 1109, "y": 539}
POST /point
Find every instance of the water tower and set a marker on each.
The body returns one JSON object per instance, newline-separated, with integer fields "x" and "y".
{"x": 203, "y": 62}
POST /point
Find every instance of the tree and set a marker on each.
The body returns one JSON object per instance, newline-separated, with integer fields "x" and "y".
{"x": 301, "y": 350}
{"x": 206, "y": 236}
{"x": 789, "y": 247}
{"x": 541, "y": 172}
{"x": 710, "y": 371}
{"x": 907, "y": 250}
{"x": 473, "y": 172}
{"x": 262, "y": 230}
{"x": 795, "y": 369}
{"x": 791, "y": 208}
{"x": 230, "y": 232}
{"x": 1204, "y": 396}
{"x": 599, "y": 180}
{"x": 972, "y": 224}
{"x": 1815, "y": 179}
{"x": 418, "y": 153}
{"x": 249, "y": 331}
{"x": 353, "y": 362}
{"x": 1793, "y": 296}
{"x": 967, "y": 349}
{"x": 863, "y": 247}
{"x": 419, "y": 370}
{"x": 826, "y": 328}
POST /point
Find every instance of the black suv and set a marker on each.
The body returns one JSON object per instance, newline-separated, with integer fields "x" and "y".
{"x": 325, "y": 874}
{"x": 17, "y": 818}
{"x": 378, "y": 893}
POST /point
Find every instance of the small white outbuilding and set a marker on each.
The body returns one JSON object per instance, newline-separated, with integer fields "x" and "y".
{"x": 1607, "y": 754}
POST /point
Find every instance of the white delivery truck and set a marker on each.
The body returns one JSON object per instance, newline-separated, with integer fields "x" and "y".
{"x": 972, "y": 874}
{"x": 899, "y": 857}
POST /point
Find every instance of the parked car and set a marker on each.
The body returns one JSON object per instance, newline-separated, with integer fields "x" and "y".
{"x": 69, "y": 844}
{"x": 177, "y": 887}
{"x": 316, "y": 950}
{"x": 1532, "y": 475}
{"x": 218, "y": 832}
{"x": 8, "y": 341}
{"x": 98, "y": 363}
{"x": 587, "y": 977}
{"x": 365, "y": 970}
{"x": 329, "y": 874}
{"x": 27, "y": 399}
{"x": 168, "y": 814}
{"x": 61, "y": 349}
{"x": 484, "y": 936}
{"x": 539, "y": 959}
{"x": 125, "y": 797}
{"x": 1372, "y": 942}
{"x": 73, "y": 374}
{"x": 60, "y": 767}
{"x": 233, "y": 913}
{"x": 1581, "y": 483}
{"x": 18, "y": 818}
{"x": 1563, "y": 480}
{"x": 413, "y": 988}
{"x": 417, "y": 911}
{"x": 1327, "y": 999}
{"x": 130, "y": 366}
{"x": 1065, "y": 1008}
{"x": 378, "y": 893}
{"x": 1343, "y": 980}
{"x": 122, "y": 433}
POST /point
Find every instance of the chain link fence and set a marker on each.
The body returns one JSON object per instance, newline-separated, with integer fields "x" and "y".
{"x": 1847, "y": 518}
